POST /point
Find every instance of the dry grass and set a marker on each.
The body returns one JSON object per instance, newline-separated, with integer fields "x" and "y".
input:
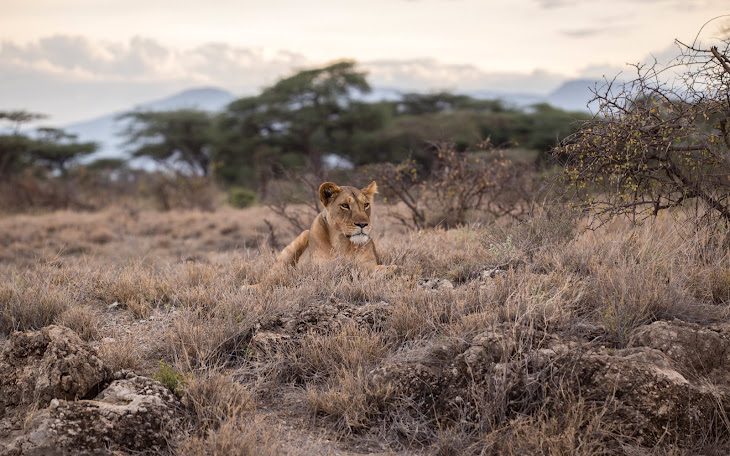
{"x": 29, "y": 300}
{"x": 121, "y": 234}
{"x": 147, "y": 287}
{"x": 85, "y": 321}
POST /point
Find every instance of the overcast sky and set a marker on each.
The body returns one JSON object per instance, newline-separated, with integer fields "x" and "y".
{"x": 75, "y": 59}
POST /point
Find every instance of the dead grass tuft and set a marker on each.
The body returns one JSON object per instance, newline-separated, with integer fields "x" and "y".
{"x": 223, "y": 414}
{"x": 348, "y": 401}
{"x": 248, "y": 438}
{"x": 27, "y": 301}
{"x": 84, "y": 320}
{"x": 350, "y": 348}
{"x": 122, "y": 352}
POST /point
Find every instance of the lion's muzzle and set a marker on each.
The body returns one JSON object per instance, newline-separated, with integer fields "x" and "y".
{"x": 360, "y": 236}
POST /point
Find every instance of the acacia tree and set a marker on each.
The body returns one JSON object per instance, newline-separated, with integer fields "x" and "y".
{"x": 185, "y": 136}
{"x": 657, "y": 142}
{"x": 14, "y": 146}
{"x": 301, "y": 114}
{"x": 56, "y": 149}
{"x": 51, "y": 148}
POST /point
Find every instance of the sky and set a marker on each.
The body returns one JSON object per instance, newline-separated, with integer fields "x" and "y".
{"x": 76, "y": 59}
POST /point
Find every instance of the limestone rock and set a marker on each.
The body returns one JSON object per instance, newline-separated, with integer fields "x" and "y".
{"x": 132, "y": 414}
{"x": 53, "y": 363}
{"x": 47, "y": 382}
{"x": 697, "y": 352}
{"x": 649, "y": 391}
{"x": 435, "y": 284}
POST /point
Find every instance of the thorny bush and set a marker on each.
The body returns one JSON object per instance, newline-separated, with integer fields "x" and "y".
{"x": 461, "y": 187}
{"x": 657, "y": 142}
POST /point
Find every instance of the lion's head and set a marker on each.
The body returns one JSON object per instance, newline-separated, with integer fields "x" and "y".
{"x": 347, "y": 209}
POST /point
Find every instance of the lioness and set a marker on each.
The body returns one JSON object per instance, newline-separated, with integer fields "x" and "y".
{"x": 341, "y": 229}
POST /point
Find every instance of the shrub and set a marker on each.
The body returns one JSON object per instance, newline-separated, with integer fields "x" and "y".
{"x": 460, "y": 187}
{"x": 169, "y": 376}
{"x": 656, "y": 144}
{"x": 239, "y": 197}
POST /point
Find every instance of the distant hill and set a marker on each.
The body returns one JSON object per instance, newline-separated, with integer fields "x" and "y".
{"x": 572, "y": 95}
{"x": 105, "y": 129}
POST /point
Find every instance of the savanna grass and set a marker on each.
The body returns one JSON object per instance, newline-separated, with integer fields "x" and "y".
{"x": 544, "y": 276}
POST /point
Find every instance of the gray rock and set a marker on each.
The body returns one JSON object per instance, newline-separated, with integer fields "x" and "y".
{"x": 48, "y": 380}
{"x": 38, "y": 366}
{"x": 655, "y": 389}
{"x": 435, "y": 284}
{"x": 133, "y": 414}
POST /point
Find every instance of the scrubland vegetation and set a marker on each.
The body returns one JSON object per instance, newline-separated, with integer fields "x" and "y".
{"x": 522, "y": 318}
{"x": 305, "y": 351}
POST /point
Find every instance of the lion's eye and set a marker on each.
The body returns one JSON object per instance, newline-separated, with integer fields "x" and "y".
{"x": 345, "y": 206}
{"x": 367, "y": 205}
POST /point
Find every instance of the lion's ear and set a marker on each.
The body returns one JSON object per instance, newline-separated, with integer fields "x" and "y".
{"x": 370, "y": 190}
{"x": 327, "y": 192}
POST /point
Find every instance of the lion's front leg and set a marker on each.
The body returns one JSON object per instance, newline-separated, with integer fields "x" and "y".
{"x": 291, "y": 253}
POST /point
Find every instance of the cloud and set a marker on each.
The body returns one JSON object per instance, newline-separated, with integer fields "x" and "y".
{"x": 143, "y": 60}
{"x": 550, "y": 4}
{"x": 74, "y": 77}
{"x": 590, "y": 32}
{"x": 430, "y": 74}
{"x": 222, "y": 64}
{"x": 78, "y": 58}
{"x": 675, "y": 4}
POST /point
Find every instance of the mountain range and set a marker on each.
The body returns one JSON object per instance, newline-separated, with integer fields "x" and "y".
{"x": 105, "y": 130}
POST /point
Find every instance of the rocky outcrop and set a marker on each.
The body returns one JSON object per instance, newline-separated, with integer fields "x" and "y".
{"x": 58, "y": 398}
{"x": 280, "y": 332}
{"x": 53, "y": 363}
{"x": 645, "y": 395}
{"x": 662, "y": 385}
{"x": 696, "y": 351}
{"x": 132, "y": 414}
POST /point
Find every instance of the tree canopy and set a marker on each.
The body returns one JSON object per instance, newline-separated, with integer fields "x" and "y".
{"x": 50, "y": 148}
{"x": 55, "y": 149}
{"x": 185, "y": 136}
{"x": 300, "y": 115}
{"x": 298, "y": 121}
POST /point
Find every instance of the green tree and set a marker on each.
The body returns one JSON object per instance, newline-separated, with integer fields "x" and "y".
{"x": 302, "y": 115}
{"x": 419, "y": 103}
{"x": 18, "y": 118}
{"x": 55, "y": 149}
{"x": 51, "y": 148}
{"x": 544, "y": 126}
{"x": 185, "y": 136}
{"x": 14, "y": 146}
{"x": 419, "y": 119}
{"x": 107, "y": 165}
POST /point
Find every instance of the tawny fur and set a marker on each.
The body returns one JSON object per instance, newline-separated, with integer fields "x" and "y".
{"x": 342, "y": 229}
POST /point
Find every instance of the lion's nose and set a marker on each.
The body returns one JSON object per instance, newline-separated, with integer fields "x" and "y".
{"x": 361, "y": 225}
